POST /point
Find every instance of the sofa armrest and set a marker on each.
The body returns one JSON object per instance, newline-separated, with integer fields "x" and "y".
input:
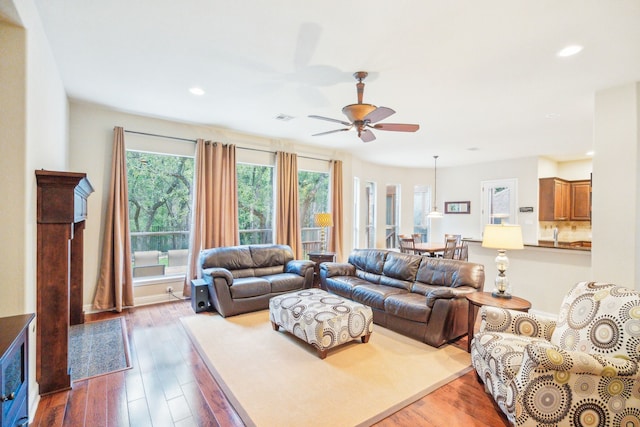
{"x": 446, "y": 292}
{"x": 299, "y": 267}
{"x": 331, "y": 269}
{"x": 550, "y": 357}
{"x": 210, "y": 274}
{"x": 496, "y": 319}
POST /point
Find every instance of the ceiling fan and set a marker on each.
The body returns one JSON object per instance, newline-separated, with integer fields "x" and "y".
{"x": 363, "y": 117}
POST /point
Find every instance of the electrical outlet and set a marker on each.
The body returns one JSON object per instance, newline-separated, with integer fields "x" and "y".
{"x": 169, "y": 289}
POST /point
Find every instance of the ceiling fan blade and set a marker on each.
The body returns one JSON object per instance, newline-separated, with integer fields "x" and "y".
{"x": 331, "y": 131}
{"x": 332, "y": 120}
{"x": 398, "y": 127}
{"x": 366, "y": 135}
{"x": 378, "y": 114}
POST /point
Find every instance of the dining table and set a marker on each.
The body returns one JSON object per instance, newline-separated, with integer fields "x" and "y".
{"x": 430, "y": 248}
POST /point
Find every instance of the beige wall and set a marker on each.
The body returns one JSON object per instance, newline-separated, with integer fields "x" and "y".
{"x": 33, "y": 136}
{"x": 616, "y": 178}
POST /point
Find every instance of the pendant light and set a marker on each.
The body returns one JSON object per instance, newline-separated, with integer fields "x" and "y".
{"x": 434, "y": 213}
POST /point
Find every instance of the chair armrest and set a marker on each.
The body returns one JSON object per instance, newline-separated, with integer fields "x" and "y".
{"x": 331, "y": 269}
{"x": 210, "y": 274}
{"x": 299, "y": 267}
{"x": 496, "y": 319}
{"x": 550, "y": 357}
{"x": 445, "y": 292}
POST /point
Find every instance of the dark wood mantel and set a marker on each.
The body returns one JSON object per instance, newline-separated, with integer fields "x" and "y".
{"x": 61, "y": 215}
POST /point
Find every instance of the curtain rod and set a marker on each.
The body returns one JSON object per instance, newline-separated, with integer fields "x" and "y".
{"x": 194, "y": 141}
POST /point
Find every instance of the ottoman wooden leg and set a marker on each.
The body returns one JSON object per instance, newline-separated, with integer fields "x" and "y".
{"x": 322, "y": 353}
{"x": 365, "y": 339}
{"x": 275, "y": 326}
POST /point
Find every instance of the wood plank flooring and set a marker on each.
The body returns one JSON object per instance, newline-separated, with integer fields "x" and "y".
{"x": 169, "y": 385}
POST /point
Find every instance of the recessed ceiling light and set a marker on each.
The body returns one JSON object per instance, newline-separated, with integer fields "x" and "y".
{"x": 196, "y": 91}
{"x": 551, "y": 116}
{"x": 569, "y": 50}
{"x": 590, "y": 153}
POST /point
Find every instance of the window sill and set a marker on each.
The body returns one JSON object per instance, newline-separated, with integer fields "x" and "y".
{"x": 158, "y": 280}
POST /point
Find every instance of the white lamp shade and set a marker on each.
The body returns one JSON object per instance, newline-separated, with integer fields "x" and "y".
{"x": 502, "y": 236}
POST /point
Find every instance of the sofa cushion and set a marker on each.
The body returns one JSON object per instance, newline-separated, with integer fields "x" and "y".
{"x": 270, "y": 255}
{"x": 374, "y": 295}
{"x": 268, "y": 271}
{"x": 231, "y": 258}
{"x": 246, "y": 287}
{"x": 408, "y": 306}
{"x": 402, "y": 267}
{"x": 449, "y": 272}
{"x": 284, "y": 282}
{"x": 368, "y": 260}
{"x": 600, "y": 318}
{"x": 343, "y": 285}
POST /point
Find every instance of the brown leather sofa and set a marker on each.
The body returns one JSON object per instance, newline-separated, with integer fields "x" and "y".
{"x": 241, "y": 279}
{"x": 417, "y": 296}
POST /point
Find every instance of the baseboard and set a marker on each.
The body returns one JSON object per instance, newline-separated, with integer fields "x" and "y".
{"x": 143, "y": 300}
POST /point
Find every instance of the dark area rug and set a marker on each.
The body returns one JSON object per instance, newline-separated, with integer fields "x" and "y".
{"x": 98, "y": 348}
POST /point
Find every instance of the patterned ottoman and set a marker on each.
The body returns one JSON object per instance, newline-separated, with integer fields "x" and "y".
{"x": 321, "y": 319}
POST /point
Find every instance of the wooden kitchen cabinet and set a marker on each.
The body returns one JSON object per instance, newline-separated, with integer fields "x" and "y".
{"x": 554, "y": 202}
{"x": 581, "y": 200}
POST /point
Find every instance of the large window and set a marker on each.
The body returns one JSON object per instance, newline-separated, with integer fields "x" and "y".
{"x": 160, "y": 197}
{"x": 313, "y": 196}
{"x": 421, "y": 208}
{"x": 392, "y": 216}
{"x": 499, "y": 202}
{"x": 255, "y": 203}
{"x": 370, "y": 226}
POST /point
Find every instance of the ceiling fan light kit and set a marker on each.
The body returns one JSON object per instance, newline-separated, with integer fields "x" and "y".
{"x": 363, "y": 116}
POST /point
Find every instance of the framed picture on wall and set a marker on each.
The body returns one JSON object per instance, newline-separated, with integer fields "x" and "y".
{"x": 457, "y": 207}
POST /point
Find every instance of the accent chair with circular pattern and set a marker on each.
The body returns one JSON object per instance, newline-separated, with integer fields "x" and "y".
{"x": 579, "y": 371}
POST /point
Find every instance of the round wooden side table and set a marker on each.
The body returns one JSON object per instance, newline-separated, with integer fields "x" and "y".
{"x": 478, "y": 299}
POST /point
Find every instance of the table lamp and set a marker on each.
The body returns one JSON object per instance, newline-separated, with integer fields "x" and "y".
{"x": 502, "y": 237}
{"x": 323, "y": 219}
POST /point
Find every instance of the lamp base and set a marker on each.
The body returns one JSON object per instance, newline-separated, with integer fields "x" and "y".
{"x": 499, "y": 294}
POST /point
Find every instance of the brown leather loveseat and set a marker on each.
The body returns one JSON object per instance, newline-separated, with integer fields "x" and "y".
{"x": 241, "y": 279}
{"x": 417, "y": 296}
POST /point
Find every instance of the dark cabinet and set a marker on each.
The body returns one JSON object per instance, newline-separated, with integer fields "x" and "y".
{"x": 554, "y": 200}
{"x": 14, "y": 370}
{"x": 319, "y": 258}
{"x": 561, "y": 200}
{"x": 61, "y": 214}
{"x": 581, "y": 200}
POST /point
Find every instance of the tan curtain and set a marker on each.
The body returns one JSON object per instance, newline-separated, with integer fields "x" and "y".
{"x": 337, "y": 231}
{"x": 215, "y": 203}
{"x": 115, "y": 285}
{"x": 288, "y": 230}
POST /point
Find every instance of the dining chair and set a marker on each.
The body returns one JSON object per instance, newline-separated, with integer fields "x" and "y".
{"x": 458, "y": 238}
{"x": 407, "y": 245}
{"x": 462, "y": 251}
{"x": 450, "y": 248}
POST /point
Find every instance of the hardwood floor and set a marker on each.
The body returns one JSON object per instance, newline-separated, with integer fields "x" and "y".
{"x": 169, "y": 385}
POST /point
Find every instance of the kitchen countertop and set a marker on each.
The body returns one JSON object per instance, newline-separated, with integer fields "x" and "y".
{"x": 582, "y": 245}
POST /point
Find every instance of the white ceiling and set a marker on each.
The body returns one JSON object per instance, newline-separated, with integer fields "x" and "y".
{"x": 480, "y": 77}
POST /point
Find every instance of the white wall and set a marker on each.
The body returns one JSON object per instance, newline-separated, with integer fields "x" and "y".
{"x": 616, "y": 210}
{"x": 34, "y": 136}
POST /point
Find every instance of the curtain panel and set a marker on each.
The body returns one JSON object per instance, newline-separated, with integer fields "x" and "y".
{"x": 337, "y": 231}
{"x": 115, "y": 285}
{"x": 214, "y": 220}
{"x": 288, "y": 230}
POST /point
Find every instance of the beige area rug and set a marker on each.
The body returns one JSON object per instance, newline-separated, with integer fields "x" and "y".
{"x": 275, "y": 379}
